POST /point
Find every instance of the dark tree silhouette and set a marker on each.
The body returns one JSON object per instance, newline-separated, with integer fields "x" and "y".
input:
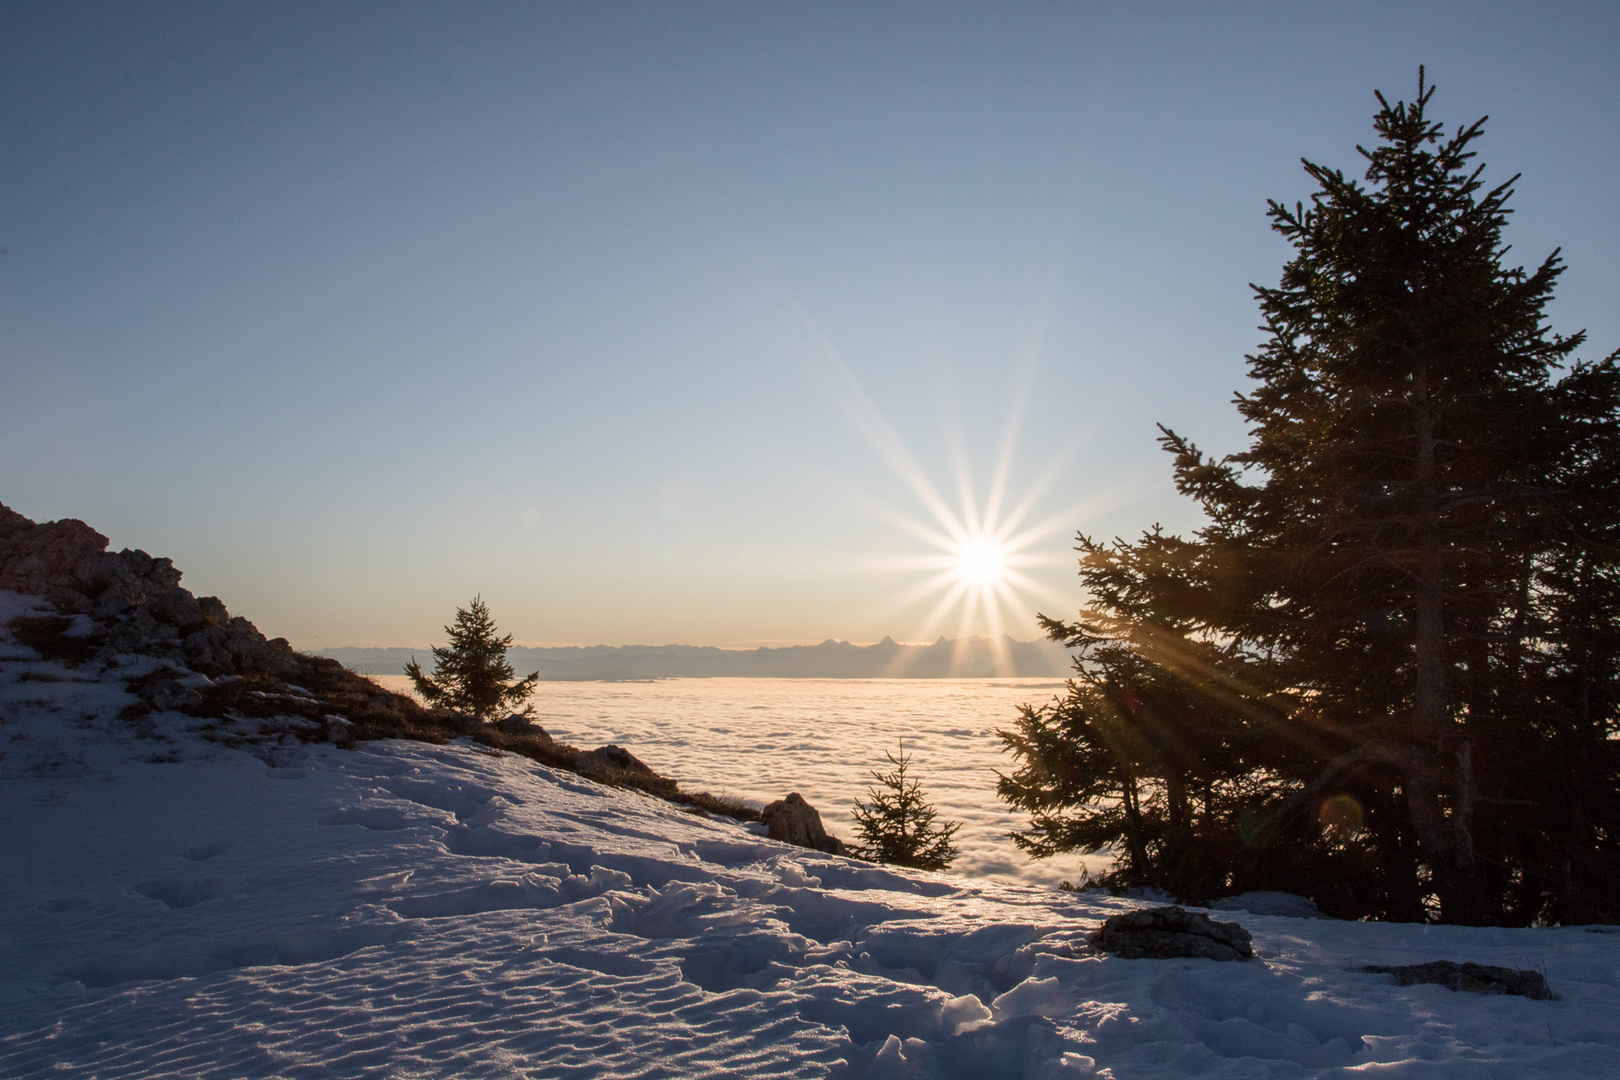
{"x": 1384, "y": 674}
{"x": 471, "y": 674}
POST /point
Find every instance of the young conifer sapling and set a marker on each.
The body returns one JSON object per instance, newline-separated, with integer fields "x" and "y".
{"x": 471, "y": 675}
{"x": 897, "y": 823}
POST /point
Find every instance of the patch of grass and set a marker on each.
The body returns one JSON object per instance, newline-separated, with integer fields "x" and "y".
{"x": 47, "y": 635}
{"x": 334, "y": 690}
{"x": 653, "y": 784}
{"x": 530, "y": 744}
{"x": 725, "y": 805}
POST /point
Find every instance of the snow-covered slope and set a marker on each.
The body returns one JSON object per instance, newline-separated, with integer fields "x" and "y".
{"x": 231, "y": 903}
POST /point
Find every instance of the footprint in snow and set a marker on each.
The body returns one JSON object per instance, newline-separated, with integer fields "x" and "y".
{"x": 175, "y": 893}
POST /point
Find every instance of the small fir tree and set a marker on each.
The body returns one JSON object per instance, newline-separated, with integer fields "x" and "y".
{"x": 471, "y": 675}
{"x": 897, "y": 825}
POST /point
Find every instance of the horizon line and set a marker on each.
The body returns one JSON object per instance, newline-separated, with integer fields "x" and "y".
{"x": 767, "y": 643}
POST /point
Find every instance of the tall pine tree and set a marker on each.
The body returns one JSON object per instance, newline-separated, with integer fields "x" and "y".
{"x": 1402, "y": 614}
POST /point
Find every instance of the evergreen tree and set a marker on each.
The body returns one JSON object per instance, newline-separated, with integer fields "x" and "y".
{"x": 471, "y": 674}
{"x": 897, "y": 824}
{"x": 1402, "y": 615}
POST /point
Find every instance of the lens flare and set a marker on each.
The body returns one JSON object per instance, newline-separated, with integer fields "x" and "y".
{"x": 1340, "y": 815}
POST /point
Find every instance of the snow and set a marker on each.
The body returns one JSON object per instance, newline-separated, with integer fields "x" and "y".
{"x": 762, "y": 738}
{"x": 177, "y": 905}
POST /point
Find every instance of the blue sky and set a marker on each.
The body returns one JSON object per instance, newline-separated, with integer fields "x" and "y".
{"x": 630, "y": 316}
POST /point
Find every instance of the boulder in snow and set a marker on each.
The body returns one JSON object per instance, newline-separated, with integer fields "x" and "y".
{"x": 339, "y": 731}
{"x": 1171, "y": 932}
{"x": 794, "y": 821}
{"x": 1475, "y": 978}
{"x": 166, "y": 692}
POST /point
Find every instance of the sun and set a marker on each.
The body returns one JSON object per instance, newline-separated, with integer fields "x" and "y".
{"x": 981, "y": 561}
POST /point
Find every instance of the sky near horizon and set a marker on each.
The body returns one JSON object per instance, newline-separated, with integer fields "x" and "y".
{"x": 692, "y": 323}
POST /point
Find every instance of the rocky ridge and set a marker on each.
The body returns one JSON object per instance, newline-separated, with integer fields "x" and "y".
{"x": 127, "y": 611}
{"x": 134, "y": 600}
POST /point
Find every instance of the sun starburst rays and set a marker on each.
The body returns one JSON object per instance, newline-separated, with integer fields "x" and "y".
{"x": 977, "y": 551}
{"x": 976, "y": 568}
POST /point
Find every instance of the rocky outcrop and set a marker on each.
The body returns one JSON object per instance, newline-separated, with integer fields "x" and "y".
{"x": 1474, "y": 978}
{"x": 1171, "y": 932}
{"x": 794, "y": 821}
{"x": 135, "y": 601}
{"x": 112, "y": 606}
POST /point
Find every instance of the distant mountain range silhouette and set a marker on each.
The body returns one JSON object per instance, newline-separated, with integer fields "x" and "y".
{"x": 961, "y": 658}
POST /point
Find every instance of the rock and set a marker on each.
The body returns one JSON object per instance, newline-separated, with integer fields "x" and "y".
{"x": 178, "y": 608}
{"x": 37, "y": 558}
{"x": 1170, "y": 932}
{"x": 1286, "y": 905}
{"x": 68, "y": 600}
{"x": 794, "y": 821}
{"x": 1474, "y": 978}
{"x": 604, "y": 761}
{"x": 206, "y": 652}
{"x": 149, "y": 626}
{"x": 213, "y": 610}
{"x": 122, "y": 639}
{"x": 164, "y": 694}
{"x": 518, "y": 724}
{"x": 339, "y": 731}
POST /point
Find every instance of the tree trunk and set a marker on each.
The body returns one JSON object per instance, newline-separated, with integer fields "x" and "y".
{"x": 1572, "y": 900}
{"x": 1133, "y": 827}
{"x": 1449, "y": 845}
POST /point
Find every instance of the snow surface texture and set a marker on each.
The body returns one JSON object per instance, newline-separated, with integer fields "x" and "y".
{"x": 179, "y": 906}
